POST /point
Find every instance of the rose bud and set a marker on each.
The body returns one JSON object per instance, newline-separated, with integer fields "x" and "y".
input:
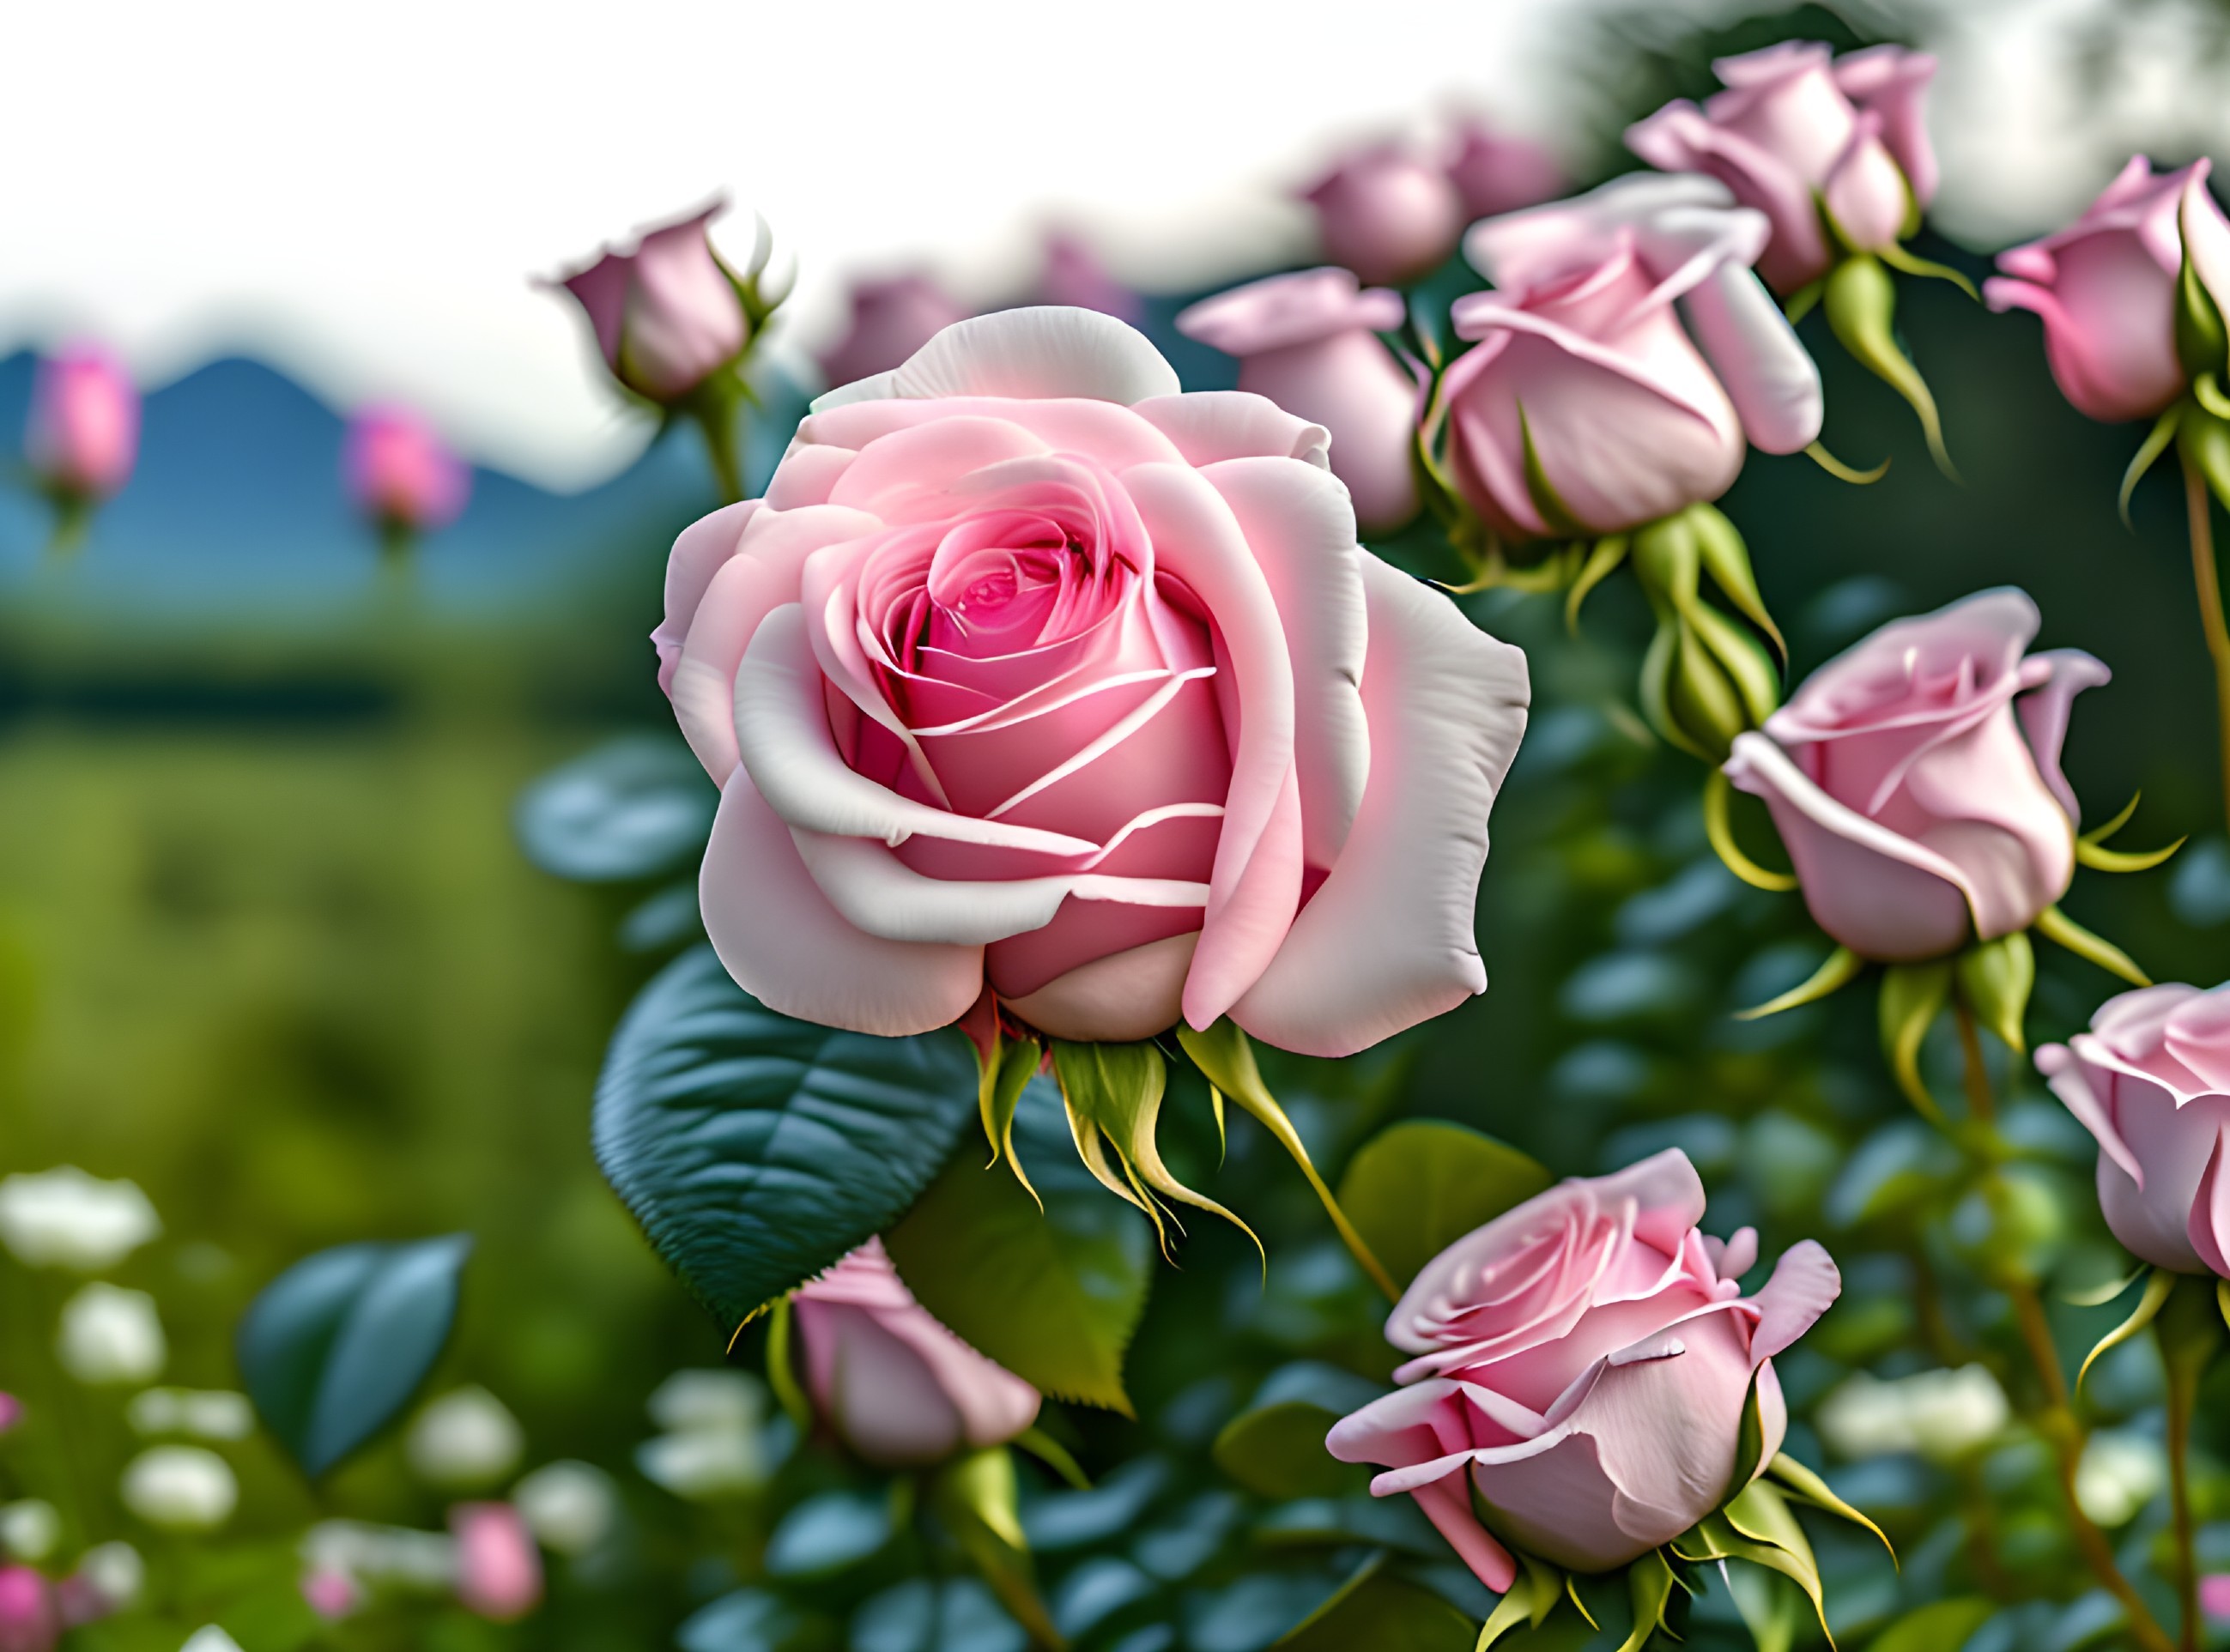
{"x": 1915, "y": 780}
{"x": 1073, "y": 275}
{"x": 1582, "y": 1367}
{"x": 1387, "y": 214}
{"x": 11, "y": 1411}
{"x": 1029, "y": 670}
{"x": 83, "y": 435}
{"x": 1494, "y": 173}
{"x": 29, "y": 1619}
{"x": 1798, "y": 128}
{"x": 1626, "y": 356}
{"x": 400, "y": 473}
{"x": 890, "y": 1380}
{"x": 2151, "y": 1081}
{"x": 2107, "y": 289}
{"x": 498, "y": 1568}
{"x": 1305, "y": 342}
{"x": 667, "y": 315}
{"x": 891, "y": 320}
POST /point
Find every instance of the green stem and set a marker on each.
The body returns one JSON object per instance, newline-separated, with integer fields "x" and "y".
{"x": 2182, "y": 1398}
{"x": 2211, "y": 622}
{"x": 712, "y": 409}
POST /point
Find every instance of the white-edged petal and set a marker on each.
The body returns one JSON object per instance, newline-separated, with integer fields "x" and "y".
{"x": 1034, "y": 353}
{"x": 1768, "y": 375}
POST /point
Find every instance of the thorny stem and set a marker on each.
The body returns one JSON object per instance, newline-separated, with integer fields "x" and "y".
{"x": 2211, "y": 622}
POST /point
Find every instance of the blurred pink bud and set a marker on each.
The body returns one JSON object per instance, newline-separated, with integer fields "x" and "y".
{"x": 11, "y": 1410}
{"x": 400, "y": 472}
{"x": 1496, "y": 174}
{"x": 30, "y": 1620}
{"x": 332, "y": 1595}
{"x": 891, "y": 320}
{"x": 2215, "y": 1595}
{"x": 1387, "y": 214}
{"x": 84, "y": 431}
{"x": 498, "y": 1568}
{"x": 1074, "y": 277}
{"x": 1864, "y": 193}
{"x": 667, "y": 315}
{"x": 1306, "y": 341}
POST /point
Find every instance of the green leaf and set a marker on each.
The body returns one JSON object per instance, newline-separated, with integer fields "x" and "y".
{"x": 1376, "y": 1612}
{"x": 756, "y": 1150}
{"x": 1912, "y": 996}
{"x": 1052, "y": 1294}
{"x": 826, "y": 1533}
{"x": 335, "y": 1348}
{"x": 1940, "y": 1626}
{"x": 634, "y": 808}
{"x": 751, "y": 1619}
{"x": 1994, "y": 977}
{"x": 1278, "y": 1451}
{"x": 1418, "y": 1186}
{"x": 1114, "y": 1093}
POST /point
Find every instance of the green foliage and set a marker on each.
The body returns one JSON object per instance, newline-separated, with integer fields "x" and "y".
{"x": 632, "y": 807}
{"x": 756, "y": 1150}
{"x": 1113, "y": 1092}
{"x": 1418, "y": 1186}
{"x": 1278, "y": 1450}
{"x": 1940, "y": 1626}
{"x": 1377, "y": 1611}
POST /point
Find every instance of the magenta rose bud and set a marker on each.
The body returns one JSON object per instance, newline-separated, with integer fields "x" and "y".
{"x": 2151, "y": 1081}
{"x": 332, "y": 1595}
{"x": 1306, "y": 342}
{"x": 1387, "y": 214}
{"x": 1628, "y": 345}
{"x": 1915, "y": 780}
{"x": 11, "y": 1411}
{"x": 83, "y": 435}
{"x": 890, "y": 1380}
{"x": 399, "y": 472}
{"x": 498, "y": 1568}
{"x": 1495, "y": 173}
{"x": 1582, "y": 1367}
{"x": 2106, "y": 289}
{"x": 1074, "y": 276}
{"x": 1031, "y": 671}
{"x": 1797, "y": 126}
{"x": 30, "y": 1621}
{"x": 667, "y": 316}
{"x": 891, "y": 320}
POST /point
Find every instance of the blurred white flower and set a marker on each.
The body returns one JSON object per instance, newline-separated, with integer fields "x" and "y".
{"x": 384, "y": 1554}
{"x": 115, "y": 1572}
{"x": 181, "y": 1488}
{"x": 30, "y": 1530}
{"x": 569, "y": 1507}
{"x": 112, "y": 1335}
{"x": 708, "y": 1402}
{"x": 465, "y": 1441}
{"x": 1942, "y": 1415}
{"x": 65, "y": 1218}
{"x": 200, "y": 1414}
{"x": 710, "y": 1447}
{"x": 2121, "y": 1472}
{"x": 210, "y": 1639}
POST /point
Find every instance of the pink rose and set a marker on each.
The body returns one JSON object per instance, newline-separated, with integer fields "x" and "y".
{"x": 1387, "y": 214}
{"x": 892, "y": 1383}
{"x": 1582, "y": 1366}
{"x": 1495, "y": 173}
{"x": 1030, "y": 670}
{"x": 1305, "y": 342}
{"x": 1628, "y": 346}
{"x": 667, "y": 316}
{"x": 83, "y": 436}
{"x": 1073, "y": 276}
{"x": 11, "y": 1411}
{"x": 1797, "y": 127}
{"x": 2151, "y": 1081}
{"x": 498, "y": 1568}
{"x": 400, "y": 472}
{"x": 332, "y": 1595}
{"x": 29, "y": 1620}
{"x": 1915, "y": 780}
{"x": 891, "y": 320}
{"x": 2106, "y": 288}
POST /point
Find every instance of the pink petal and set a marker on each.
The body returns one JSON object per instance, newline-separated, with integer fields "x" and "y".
{"x": 2044, "y": 714}
{"x": 700, "y": 552}
{"x": 1032, "y": 353}
{"x": 2210, "y": 1212}
{"x": 1118, "y": 997}
{"x": 1209, "y": 426}
{"x": 1805, "y": 1284}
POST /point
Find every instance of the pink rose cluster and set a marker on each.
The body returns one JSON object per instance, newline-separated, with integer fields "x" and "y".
{"x": 1580, "y": 1371}
{"x": 1031, "y": 673}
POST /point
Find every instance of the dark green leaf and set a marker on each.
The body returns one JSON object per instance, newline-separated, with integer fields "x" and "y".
{"x": 1053, "y": 1295}
{"x": 1278, "y": 1451}
{"x": 1377, "y": 1612}
{"x": 1418, "y": 1186}
{"x": 632, "y": 808}
{"x": 751, "y": 1619}
{"x": 826, "y": 1533}
{"x": 336, "y": 1346}
{"x": 756, "y": 1150}
{"x": 1940, "y": 1626}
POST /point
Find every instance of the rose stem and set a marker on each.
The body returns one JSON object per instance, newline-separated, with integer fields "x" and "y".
{"x": 2057, "y": 1423}
{"x": 2182, "y": 1396}
{"x": 2210, "y": 609}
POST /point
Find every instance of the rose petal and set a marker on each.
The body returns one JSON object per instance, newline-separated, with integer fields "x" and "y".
{"x": 1805, "y": 1284}
{"x": 1118, "y": 999}
{"x": 1032, "y": 353}
{"x": 2044, "y": 714}
{"x": 700, "y": 552}
{"x": 1210, "y": 425}
{"x": 1768, "y": 375}
{"x": 2210, "y": 1212}
{"x": 2068, "y": 1081}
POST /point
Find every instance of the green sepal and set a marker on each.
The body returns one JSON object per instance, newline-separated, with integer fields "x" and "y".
{"x": 2154, "y": 444}
{"x": 1055, "y": 1457}
{"x": 1839, "y": 969}
{"x": 999, "y": 1083}
{"x": 1994, "y": 979}
{"x": 1604, "y": 559}
{"x": 1726, "y": 559}
{"x": 1898, "y": 257}
{"x": 1747, "y": 666}
{"x": 2099, "y": 1295}
{"x": 2148, "y": 1308}
{"x": 2202, "y": 439}
{"x": 1749, "y": 1437}
{"x": 1649, "y": 1585}
{"x": 1546, "y": 500}
{"x": 1818, "y": 453}
{"x": 1912, "y": 996}
{"x": 2090, "y": 849}
{"x": 1757, "y": 1526}
{"x": 1802, "y": 1482}
{"x": 1803, "y": 301}
{"x": 2201, "y": 344}
{"x": 974, "y": 1497}
{"x": 2190, "y": 1329}
{"x": 782, "y": 1367}
{"x": 1536, "y": 1592}
{"x": 1861, "y": 305}
{"x": 2058, "y": 928}
{"x": 1718, "y": 827}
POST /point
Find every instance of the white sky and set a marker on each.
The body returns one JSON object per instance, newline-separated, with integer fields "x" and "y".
{"x": 359, "y": 193}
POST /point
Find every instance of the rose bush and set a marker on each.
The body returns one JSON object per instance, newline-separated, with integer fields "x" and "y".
{"x": 1581, "y": 1369}
{"x": 1030, "y": 671}
{"x": 889, "y": 1379}
{"x": 667, "y": 315}
{"x": 2151, "y": 1081}
{"x": 1829, "y": 149}
{"x": 1626, "y": 355}
{"x": 1915, "y": 780}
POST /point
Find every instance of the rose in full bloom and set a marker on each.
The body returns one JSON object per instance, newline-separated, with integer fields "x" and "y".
{"x": 1581, "y": 1369}
{"x": 1626, "y": 355}
{"x": 667, "y": 315}
{"x": 498, "y": 1568}
{"x": 891, "y": 320}
{"x": 1030, "y": 671}
{"x": 1496, "y": 173}
{"x": 1387, "y": 214}
{"x": 400, "y": 472}
{"x": 83, "y": 436}
{"x": 2151, "y": 1081}
{"x": 1798, "y": 129}
{"x": 890, "y": 1379}
{"x": 1915, "y": 780}
{"x": 2106, "y": 287}
{"x": 1306, "y": 342}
